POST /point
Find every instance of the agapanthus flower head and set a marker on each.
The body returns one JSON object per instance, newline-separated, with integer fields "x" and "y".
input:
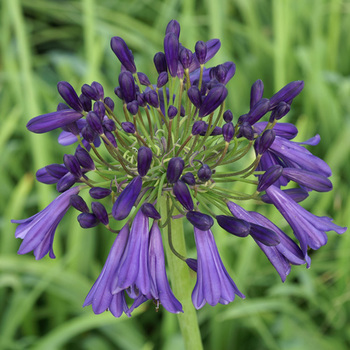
{"x": 167, "y": 150}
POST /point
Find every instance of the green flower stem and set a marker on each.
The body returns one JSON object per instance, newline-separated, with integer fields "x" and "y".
{"x": 181, "y": 283}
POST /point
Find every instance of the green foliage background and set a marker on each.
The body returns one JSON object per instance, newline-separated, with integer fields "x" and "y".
{"x": 46, "y": 41}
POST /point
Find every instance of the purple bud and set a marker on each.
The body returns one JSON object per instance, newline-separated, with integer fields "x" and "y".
{"x": 192, "y": 264}
{"x": 233, "y": 225}
{"x": 109, "y": 124}
{"x": 78, "y": 203}
{"x": 88, "y": 134}
{"x": 100, "y": 109}
{"x": 198, "y": 127}
{"x": 202, "y": 221}
{"x": 201, "y": 51}
{"x": 89, "y": 92}
{"x": 195, "y": 96}
{"x": 256, "y": 93}
{"x": 297, "y": 194}
{"x": 246, "y": 131}
{"x": 69, "y": 95}
{"x": 171, "y": 50}
{"x": 56, "y": 170}
{"x": 128, "y": 127}
{"x": 72, "y": 164}
{"x": 220, "y": 73}
{"x": 144, "y": 160}
{"x": 204, "y": 173}
{"x": 228, "y": 116}
{"x": 185, "y": 57}
{"x": 111, "y": 138}
{"x": 214, "y": 99}
{"x": 172, "y": 112}
{"x": 94, "y": 122}
{"x": 87, "y": 220}
{"x": 99, "y": 192}
{"x": 152, "y": 98}
{"x": 308, "y": 179}
{"x": 85, "y": 102}
{"x": 287, "y": 93}
{"x": 228, "y": 130}
{"x": 150, "y": 211}
{"x": 265, "y": 141}
{"x": 160, "y": 62}
{"x": 279, "y": 111}
{"x": 143, "y": 79}
{"x": 100, "y": 211}
{"x": 66, "y": 182}
{"x": 162, "y": 79}
{"x": 127, "y": 85}
{"x": 183, "y": 195}
{"x": 123, "y": 53}
{"x": 270, "y": 176}
{"x": 133, "y": 107}
{"x": 99, "y": 90}
{"x": 126, "y": 200}
{"x": 119, "y": 93}
{"x": 109, "y": 103}
{"x": 258, "y": 111}
{"x": 173, "y": 27}
{"x": 182, "y": 111}
{"x": 264, "y": 235}
{"x": 140, "y": 99}
{"x": 175, "y": 167}
{"x": 189, "y": 179}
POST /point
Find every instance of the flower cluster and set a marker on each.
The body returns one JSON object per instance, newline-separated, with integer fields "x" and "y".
{"x": 172, "y": 152}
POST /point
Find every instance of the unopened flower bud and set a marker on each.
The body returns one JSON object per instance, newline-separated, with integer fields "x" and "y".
{"x": 133, "y": 107}
{"x": 144, "y": 160}
{"x": 258, "y": 111}
{"x": 128, "y": 127}
{"x": 195, "y": 96}
{"x": 87, "y": 220}
{"x": 100, "y": 211}
{"x": 189, "y": 179}
{"x": 72, "y": 164}
{"x": 201, "y": 51}
{"x": 119, "y": 93}
{"x": 123, "y": 53}
{"x": 162, "y": 79}
{"x": 265, "y": 141}
{"x": 88, "y": 134}
{"x": 228, "y": 116}
{"x": 270, "y": 176}
{"x": 192, "y": 264}
{"x": 127, "y": 85}
{"x": 287, "y": 93}
{"x": 85, "y": 102}
{"x": 214, "y": 99}
{"x": 152, "y": 98}
{"x": 78, "y": 203}
{"x": 183, "y": 195}
{"x": 175, "y": 168}
{"x": 89, "y": 92}
{"x": 198, "y": 127}
{"x": 109, "y": 125}
{"x": 143, "y": 78}
{"x": 228, "y": 130}
{"x": 199, "y": 220}
{"x": 150, "y": 211}
{"x": 233, "y": 225}
{"x": 246, "y": 131}
{"x": 99, "y": 192}
{"x": 109, "y": 102}
{"x": 160, "y": 62}
{"x": 94, "y": 122}
{"x": 185, "y": 57}
{"x": 111, "y": 138}
{"x": 84, "y": 159}
{"x": 173, "y": 27}
{"x": 204, "y": 173}
{"x": 172, "y": 112}
{"x": 256, "y": 93}
{"x": 279, "y": 111}
{"x": 69, "y": 95}
{"x": 99, "y": 90}
{"x": 171, "y": 50}
{"x": 66, "y": 182}
{"x": 100, "y": 109}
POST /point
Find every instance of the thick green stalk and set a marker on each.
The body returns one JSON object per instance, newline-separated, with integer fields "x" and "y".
{"x": 180, "y": 280}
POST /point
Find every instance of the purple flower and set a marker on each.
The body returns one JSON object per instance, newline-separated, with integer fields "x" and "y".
{"x": 38, "y": 231}
{"x": 214, "y": 285}
{"x": 100, "y": 296}
{"x": 308, "y": 228}
{"x": 123, "y": 53}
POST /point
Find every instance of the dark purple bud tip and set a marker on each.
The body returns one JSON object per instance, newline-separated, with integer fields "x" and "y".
{"x": 78, "y": 203}
{"x": 279, "y": 111}
{"x": 171, "y": 50}
{"x": 246, "y": 131}
{"x": 84, "y": 159}
{"x": 189, "y": 179}
{"x": 172, "y": 112}
{"x": 228, "y": 116}
{"x": 233, "y": 225}
{"x": 128, "y": 127}
{"x": 202, "y": 221}
{"x": 94, "y": 122}
{"x": 186, "y": 57}
{"x": 287, "y": 93}
{"x": 88, "y": 134}
{"x": 213, "y": 100}
{"x": 160, "y": 62}
{"x": 123, "y": 53}
{"x": 264, "y": 141}
{"x": 100, "y": 211}
{"x": 183, "y": 195}
{"x": 133, "y": 107}
{"x": 228, "y": 130}
{"x": 126, "y": 200}
{"x": 150, "y": 211}
{"x": 99, "y": 192}
{"x": 264, "y": 235}
{"x": 270, "y": 176}
{"x": 199, "y": 127}
{"x": 85, "y": 102}
{"x": 195, "y": 96}
{"x": 175, "y": 167}
{"x": 144, "y": 160}
{"x": 204, "y": 173}
{"x": 109, "y": 103}
{"x": 162, "y": 79}
{"x": 127, "y": 85}
{"x": 152, "y": 98}
{"x": 69, "y": 95}
{"x": 72, "y": 164}
{"x": 173, "y": 27}
{"x": 143, "y": 78}
{"x": 111, "y": 138}
{"x": 256, "y": 93}
{"x": 192, "y": 264}
{"x": 100, "y": 109}
{"x": 201, "y": 51}
{"x": 258, "y": 111}
{"x": 99, "y": 89}
{"x": 119, "y": 93}
{"x": 109, "y": 125}
{"x": 89, "y": 92}
{"x": 87, "y": 220}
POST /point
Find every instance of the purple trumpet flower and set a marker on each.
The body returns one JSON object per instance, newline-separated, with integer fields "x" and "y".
{"x": 281, "y": 255}
{"x": 126, "y": 200}
{"x": 285, "y": 130}
{"x": 160, "y": 289}
{"x": 134, "y": 267}
{"x": 38, "y": 231}
{"x": 308, "y": 228}
{"x": 100, "y": 296}
{"x": 214, "y": 284}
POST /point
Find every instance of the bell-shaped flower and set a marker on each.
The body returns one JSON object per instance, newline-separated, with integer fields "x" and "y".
{"x": 214, "y": 284}
{"x": 38, "y": 231}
